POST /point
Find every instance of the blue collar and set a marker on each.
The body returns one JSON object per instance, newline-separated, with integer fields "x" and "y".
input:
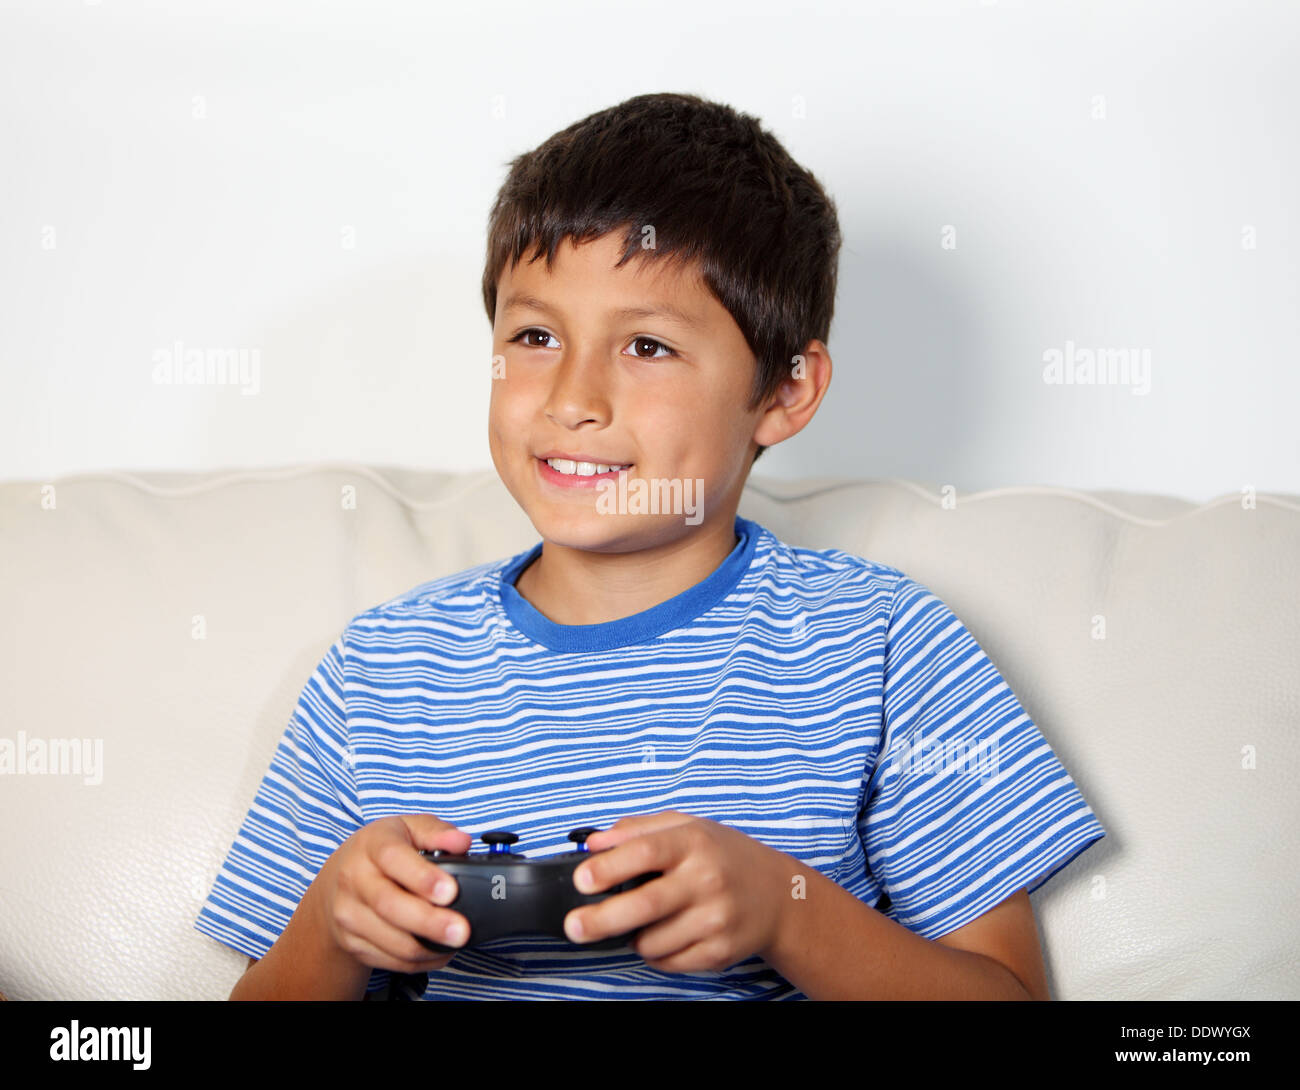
{"x": 639, "y": 627}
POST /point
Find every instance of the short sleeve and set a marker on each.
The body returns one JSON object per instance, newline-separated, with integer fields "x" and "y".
{"x": 305, "y": 807}
{"x": 966, "y": 803}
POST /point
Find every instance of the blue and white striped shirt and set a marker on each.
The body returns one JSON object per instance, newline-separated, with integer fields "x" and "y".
{"x": 828, "y": 706}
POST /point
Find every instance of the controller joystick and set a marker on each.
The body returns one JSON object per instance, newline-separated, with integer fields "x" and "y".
{"x": 499, "y": 842}
{"x": 579, "y": 836}
{"x": 502, "y": 893}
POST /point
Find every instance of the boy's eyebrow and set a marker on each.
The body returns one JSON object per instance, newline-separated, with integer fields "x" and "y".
{"x": 520, "y": 300}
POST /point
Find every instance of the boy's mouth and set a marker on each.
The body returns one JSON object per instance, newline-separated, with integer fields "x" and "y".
{"x": 572, "y": 473}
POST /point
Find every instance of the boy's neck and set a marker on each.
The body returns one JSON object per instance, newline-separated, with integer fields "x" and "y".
{"x": 577, "y": 586}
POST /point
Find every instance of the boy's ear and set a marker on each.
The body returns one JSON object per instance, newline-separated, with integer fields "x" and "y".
{"x": 799, "y": 395}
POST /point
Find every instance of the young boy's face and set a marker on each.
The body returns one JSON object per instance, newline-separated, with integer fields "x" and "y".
{"x": 666, "y": 394}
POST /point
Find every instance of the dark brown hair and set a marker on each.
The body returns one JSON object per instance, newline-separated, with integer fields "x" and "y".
{"x": 717, "y": 189}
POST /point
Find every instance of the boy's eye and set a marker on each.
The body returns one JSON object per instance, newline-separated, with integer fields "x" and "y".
{"x": 637, "y": 343}
{"x": 523, "y": 335}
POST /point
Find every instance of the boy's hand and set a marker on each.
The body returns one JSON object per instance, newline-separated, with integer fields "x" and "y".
{"x": 375, "y": 893}
{"x": 720, "y": 899}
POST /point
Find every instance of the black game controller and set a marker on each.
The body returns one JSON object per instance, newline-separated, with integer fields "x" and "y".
{"x": 501, "y": 892}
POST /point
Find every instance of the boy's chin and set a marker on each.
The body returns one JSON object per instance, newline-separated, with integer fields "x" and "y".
{"x": 590, "y": 530}
{"x": 570, "y": 524}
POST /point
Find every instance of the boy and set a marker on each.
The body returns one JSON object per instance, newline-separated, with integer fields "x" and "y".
{"x": 758, "y": 722}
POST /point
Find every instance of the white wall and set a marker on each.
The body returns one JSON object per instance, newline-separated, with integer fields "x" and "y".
{"x": 193, "y": 172}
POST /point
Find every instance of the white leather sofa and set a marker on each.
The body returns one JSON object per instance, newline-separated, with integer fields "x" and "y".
{"x": 173, "y": 618}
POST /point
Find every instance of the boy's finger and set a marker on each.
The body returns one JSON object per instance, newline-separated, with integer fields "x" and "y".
{"x": 404, "y": 865}
{"x": 393, "y": 917}
{"x": 662, "y": 847}
{"x": 638, "y": 825}
{"x": 387, "y": 947}
{"x": 628, "y": 911}
{"x": 428, "y": 832}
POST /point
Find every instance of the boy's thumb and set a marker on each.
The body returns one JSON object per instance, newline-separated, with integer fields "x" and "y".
{"x": 429, "y": 832}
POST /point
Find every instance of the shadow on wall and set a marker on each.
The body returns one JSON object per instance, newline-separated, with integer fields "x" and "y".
{"x": 907, "y": 357}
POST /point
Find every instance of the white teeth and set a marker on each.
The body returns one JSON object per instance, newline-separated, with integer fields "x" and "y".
{"x": 581, "y": 469}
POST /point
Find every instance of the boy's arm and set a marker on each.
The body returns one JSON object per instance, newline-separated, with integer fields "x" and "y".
{"x": 833, "y": 946}
{"x": 304, "y": 963}
{"x": 1008, "y": 934}
{"x": 253, "y": 961}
